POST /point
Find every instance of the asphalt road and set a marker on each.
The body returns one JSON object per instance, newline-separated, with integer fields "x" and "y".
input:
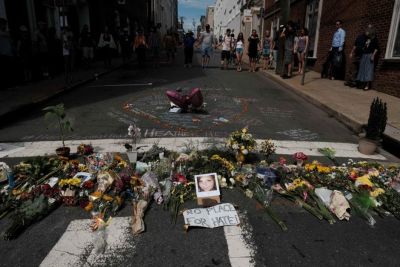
{"x": 97, "y": 111}
{"x": 233, "y": 100}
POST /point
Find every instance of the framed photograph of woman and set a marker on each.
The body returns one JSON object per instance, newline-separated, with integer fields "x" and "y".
{"x": 206, "y": 185}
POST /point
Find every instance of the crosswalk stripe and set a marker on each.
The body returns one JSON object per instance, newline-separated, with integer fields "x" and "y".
{"x": 77, "y": 246}
{"x": 241, "y": 252}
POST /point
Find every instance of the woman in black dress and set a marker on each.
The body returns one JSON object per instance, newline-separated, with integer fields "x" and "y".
{"x": 254, "y": 43}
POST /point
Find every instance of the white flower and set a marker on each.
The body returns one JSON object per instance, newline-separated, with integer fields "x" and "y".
{"x": 232, "y": 181}
{"x": 245, "y": 151}
{"x": 235, "y": 146}
{"x": 249, "y": 193}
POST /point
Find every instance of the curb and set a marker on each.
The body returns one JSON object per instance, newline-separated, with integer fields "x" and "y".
{"x": 18, "y": 110}
{"x": 389, "y": 143}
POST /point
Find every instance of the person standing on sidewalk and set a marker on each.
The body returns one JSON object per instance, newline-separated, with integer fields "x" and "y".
{"x": 301, "y": 49}
{"x": 355, "y": 57}
{"x": 67, "y": 45}
{"x": 87, "y": 44}
{"x": 336, "y": 51}
{"x": 24, "y": 52}
{"x": 41, "y": 48}
{"x": 206, "y": 41}
{"x": 239, "y": 51}
{"x": 125, "y": 42}
{"x": 367, "y": 63}
{"x": 254, "y": 47}
{"x": 106, "y": 44}
{"x": 288, "y": 34}
{"x": 170, "y": 46}
{"x": 188, "y": 44}
{"x": 155, "y": 45}
{"x": 266, "y": 50}
{"x": 227, "y": 44}
{"x": 6, "y": 55}
{"x": 140, "y": 46}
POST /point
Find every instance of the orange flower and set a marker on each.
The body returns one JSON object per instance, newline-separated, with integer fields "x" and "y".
{"x": 107, "y": 198}
{"x": 118, "y": 158}
{"x": 89, "y": 207}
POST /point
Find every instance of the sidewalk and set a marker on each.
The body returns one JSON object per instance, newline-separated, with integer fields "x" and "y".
{"x": 15, "y": 101}
{"x": 349, "y": 105}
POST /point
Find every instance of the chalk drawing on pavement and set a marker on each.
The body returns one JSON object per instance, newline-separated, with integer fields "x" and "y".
{"x": 299, "y": 134}
{"x": 221, "y": 109}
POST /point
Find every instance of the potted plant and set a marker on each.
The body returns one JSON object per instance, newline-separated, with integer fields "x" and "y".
{"x": 132, "y": 149}
{"x": 56, "y": 114}
{"x": 376, "y": 126}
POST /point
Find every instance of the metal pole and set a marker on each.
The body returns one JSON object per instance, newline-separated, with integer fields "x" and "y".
{"x": 312, "y": 3}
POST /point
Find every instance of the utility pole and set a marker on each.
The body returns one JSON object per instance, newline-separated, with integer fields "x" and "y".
{"x": 182, "y": 18}
{"x": 194, "y": 25}
{"x": 312, "y": 28}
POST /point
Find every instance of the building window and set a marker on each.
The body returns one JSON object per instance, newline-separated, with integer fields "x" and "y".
{"x": 313, "y": 17}
{"x": 274, "y": 27}
{"x": 393, "y": 45}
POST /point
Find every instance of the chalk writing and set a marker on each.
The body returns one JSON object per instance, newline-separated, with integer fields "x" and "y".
{"x": 216, "y": 216}
{"x": 275, "y": 113}
{"x": 300, "y": 134}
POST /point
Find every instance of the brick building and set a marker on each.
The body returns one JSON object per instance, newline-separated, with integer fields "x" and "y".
{"x": 320, "y": 15}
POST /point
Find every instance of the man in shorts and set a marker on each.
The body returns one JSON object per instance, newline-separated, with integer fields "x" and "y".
{"x": 227, "y": 45}
{"x": 206, "y": 40}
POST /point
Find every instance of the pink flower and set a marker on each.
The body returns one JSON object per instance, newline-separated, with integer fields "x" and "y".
{"x": 300, "y": 156}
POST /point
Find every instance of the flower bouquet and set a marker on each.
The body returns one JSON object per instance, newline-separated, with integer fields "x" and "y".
{"x": 132, "y": 150}
{"x": 267, "y": 148}
{"x": 69, "y": 188}
{"x": 242, "y": 142}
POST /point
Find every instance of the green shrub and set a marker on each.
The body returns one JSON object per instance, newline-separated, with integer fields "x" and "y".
{"x": 377, "y": 120}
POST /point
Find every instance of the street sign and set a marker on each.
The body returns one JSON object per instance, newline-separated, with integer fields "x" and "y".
{"x": 247, "y": 13}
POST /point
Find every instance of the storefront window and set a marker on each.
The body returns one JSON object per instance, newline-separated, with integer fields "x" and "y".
{"x": 312, "y": 24}
{"x": 393, "y": 45}
{"x": 396, "y": 48}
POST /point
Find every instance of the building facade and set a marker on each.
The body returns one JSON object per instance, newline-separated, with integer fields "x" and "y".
{"x": 319, "y": 16}
{"x": 210, "y": 16}
{"x": 116, "y": 14}
{"x": 165, "y": 14}
{"x": 227, "y": 14}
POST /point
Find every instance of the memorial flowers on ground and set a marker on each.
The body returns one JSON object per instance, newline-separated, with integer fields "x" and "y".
{"x": 102, "y": 183}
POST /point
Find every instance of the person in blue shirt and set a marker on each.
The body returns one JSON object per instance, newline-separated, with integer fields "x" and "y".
{"x": 188, "y": 44}
{"x": 336, "y": 50}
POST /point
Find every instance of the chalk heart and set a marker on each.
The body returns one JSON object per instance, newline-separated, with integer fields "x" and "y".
{"x": 155, "y": 107}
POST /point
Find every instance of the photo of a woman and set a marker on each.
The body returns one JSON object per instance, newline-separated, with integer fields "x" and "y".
{"x": 207, "y": 185}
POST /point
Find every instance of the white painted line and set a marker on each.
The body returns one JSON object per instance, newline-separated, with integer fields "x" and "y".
{"x": 240, "y": 251}
{"x": 77, "y": 245}
{"x": 7, "y": 149}
{"x": 123, "y": 85}
{"x": 310, "y": 148}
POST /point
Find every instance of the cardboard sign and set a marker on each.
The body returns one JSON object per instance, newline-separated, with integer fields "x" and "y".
{"x": 216, "y": 216}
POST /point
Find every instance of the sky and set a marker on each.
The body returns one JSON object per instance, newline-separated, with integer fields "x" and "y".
{"x": 192, "y": 9}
